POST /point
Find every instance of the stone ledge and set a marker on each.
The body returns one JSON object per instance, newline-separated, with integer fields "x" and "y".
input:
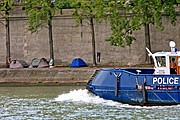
{"x": 46, "y": 76}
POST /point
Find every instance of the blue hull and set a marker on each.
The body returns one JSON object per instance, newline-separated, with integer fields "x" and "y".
{"x": 145, "y": 88}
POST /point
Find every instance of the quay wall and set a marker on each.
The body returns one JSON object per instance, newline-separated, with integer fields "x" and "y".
{"x": 46, "y": 76}
{"x": 72, "y": 40}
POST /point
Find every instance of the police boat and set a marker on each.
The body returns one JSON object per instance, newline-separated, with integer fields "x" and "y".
{"x": 141, "y": 86}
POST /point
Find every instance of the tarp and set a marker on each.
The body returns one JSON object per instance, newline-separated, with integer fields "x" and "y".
{"x": 78, "y": 62}
{"x": 18, "y": 64}
{"x": 39, "y": 63}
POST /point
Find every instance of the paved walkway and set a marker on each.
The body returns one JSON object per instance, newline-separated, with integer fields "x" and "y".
{"x": 46, "y": 76}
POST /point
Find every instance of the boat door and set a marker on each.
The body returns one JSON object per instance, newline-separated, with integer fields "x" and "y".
{"x": 178, "y": 64}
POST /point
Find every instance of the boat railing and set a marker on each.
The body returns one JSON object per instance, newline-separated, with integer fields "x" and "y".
{"x": 132, "y": 71}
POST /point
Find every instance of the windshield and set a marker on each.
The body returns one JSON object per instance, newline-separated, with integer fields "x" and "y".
{"x": 161, "y": 61}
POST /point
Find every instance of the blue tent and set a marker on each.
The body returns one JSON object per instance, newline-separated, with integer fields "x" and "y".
{"x": 78, "y": 62}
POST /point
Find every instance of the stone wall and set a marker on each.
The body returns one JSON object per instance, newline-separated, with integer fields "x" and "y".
{"x": 72, "y": 40}
{"x": 46, "y": 76}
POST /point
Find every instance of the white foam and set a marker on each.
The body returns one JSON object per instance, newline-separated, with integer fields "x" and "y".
{"x": 83, "y": 96}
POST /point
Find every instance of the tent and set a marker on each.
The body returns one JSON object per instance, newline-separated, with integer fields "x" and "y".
{"x": 18, "y": 64}
{"x": 39, "y": 63}
{"x": 78, "y": 62}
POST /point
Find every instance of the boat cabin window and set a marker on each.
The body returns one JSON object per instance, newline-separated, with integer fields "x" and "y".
{"x": 173, "y": 65}
{"x": 161, "y": 61}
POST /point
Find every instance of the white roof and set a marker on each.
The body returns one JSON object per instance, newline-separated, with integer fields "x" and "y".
{"x": 167, "y": 53}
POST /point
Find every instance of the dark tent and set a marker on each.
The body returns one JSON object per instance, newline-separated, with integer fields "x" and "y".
{"x": 78, "y": 62}
{"x": 39, "y": 63}
{"x": 18, "y": 64}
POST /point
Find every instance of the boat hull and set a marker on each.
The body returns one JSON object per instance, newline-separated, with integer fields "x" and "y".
{"x": 134, "y": 89}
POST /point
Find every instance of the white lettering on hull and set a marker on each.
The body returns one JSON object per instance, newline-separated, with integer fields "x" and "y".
{"x": 164, "y": 81}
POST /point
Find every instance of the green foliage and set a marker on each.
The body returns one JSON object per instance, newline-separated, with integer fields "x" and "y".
{"x": 86, "y": 9}
{"x": 62, "y": 4}
{"x": 178, "y": 1}
{"x": 150, "y": 11}
{"x": 119, "y": 21}
{"x": 128, "y": 16}
{"x": 170, "y": 10}
{"x": 5, "y": 7}
{"x": 124, "y": 16}
{"x": 39, "y": 13}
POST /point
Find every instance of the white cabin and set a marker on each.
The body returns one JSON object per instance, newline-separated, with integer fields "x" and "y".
{"x": 162, "y": 60}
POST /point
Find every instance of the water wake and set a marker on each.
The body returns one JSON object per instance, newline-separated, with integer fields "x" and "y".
{"x": 83, "y": 96}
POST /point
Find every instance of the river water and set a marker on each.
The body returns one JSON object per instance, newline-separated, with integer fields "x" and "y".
{"x": 72, "y": 103}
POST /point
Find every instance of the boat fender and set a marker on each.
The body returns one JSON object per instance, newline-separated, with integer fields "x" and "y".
{"x": 137, "y": 81}
{"x": 137, "y": 84}
{"x": 117, "y": 83}
{"x": 144, "y": 94}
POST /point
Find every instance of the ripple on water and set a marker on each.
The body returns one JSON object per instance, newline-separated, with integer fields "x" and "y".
{"x": 79, "y": 104}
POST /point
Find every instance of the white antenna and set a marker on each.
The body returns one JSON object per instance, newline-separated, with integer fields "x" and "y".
{"x": 150, "y": 54}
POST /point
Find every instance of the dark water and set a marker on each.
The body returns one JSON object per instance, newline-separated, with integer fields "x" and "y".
{"x": 72, "y": 103}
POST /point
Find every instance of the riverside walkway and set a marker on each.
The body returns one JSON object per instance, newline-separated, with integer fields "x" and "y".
{"x": 46, "y": 76}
